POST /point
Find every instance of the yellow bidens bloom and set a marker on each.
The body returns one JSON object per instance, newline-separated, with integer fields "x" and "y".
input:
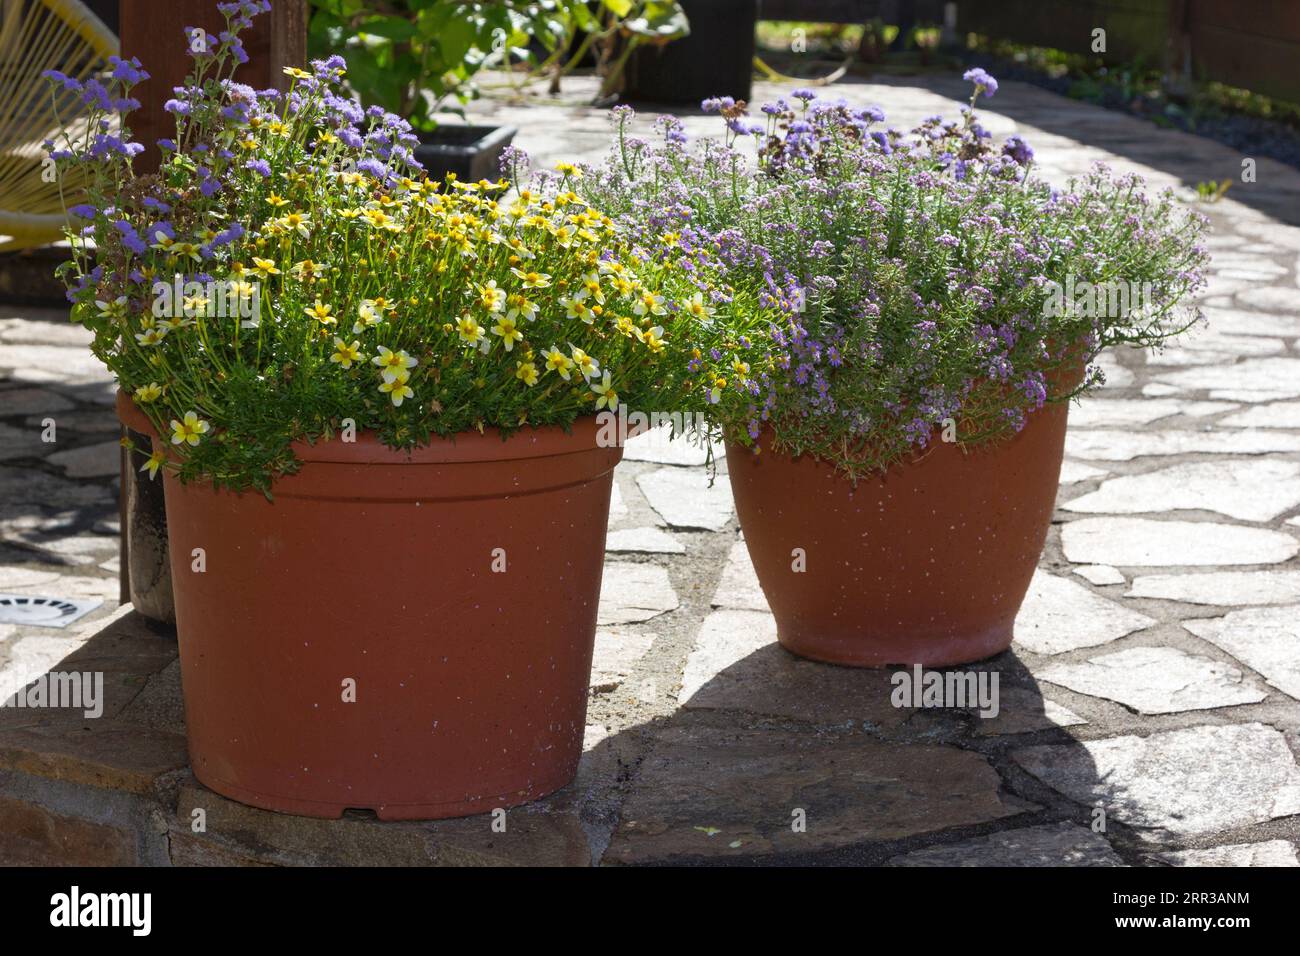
{"x": 652, "y": 338}
{"x": 394, "y": 366}
{"x": 368, "y": 316}
{"x": 115, "y": 310}
{"x": 470, "y": 332}
{"x": 345, "y": 354}
{"x": 307, "y": 269}
{"x": 649, "y": 303}
{"x": 577, "y": 309}
{"x": 697, "y": 308}
{"x": 148, "y": 393}
{"x": 526, "y": 372}
{"x": 321, "y": 313}
{"x": 505, "y": 328}
{"x": 606, "y": 397}
{"x": 532, "y": 280}
{"x": 296, "y": 73}
{"x": 490, "y": 297}
{"x": 154, "y": 462}
{"x": 189, "y": 430}
{"x": 557, "y": 361}
{"x": 585, "y": 364}
{"x": 397, "y": 389}
{"x": 265, "y": 268}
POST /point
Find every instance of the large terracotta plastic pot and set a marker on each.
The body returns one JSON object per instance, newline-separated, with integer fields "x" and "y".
{"x": 408, "y": 634}
{"x": 925, "y": 564}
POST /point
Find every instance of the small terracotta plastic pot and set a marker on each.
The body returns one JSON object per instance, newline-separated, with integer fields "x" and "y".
{"x": 404, "y": 633}
{"x": 926, "y": 564}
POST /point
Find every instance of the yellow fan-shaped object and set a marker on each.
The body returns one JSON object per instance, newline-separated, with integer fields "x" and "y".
{"x": 39, "y": 35}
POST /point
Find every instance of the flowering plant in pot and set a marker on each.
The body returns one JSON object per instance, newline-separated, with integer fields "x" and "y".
{"x": 895, "y": 467}
{"x": 360, "y": 380}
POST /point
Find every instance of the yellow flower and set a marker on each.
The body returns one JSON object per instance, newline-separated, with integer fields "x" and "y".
{"x": 397, "y": 389}
{"x": 112, "y": 310}
{"x": 585, "y": 364}
{"x": 381, "y": 220}
{"x": 345, "y": 354}
{"x": 649, "y": 303}
{"x": 296, "y": 73}
{"x": 568, "y": 169}
{"x": 154, "y": 462}
{"x": 394, "y": 365}
{"x": 148, "y": 393}
{"x": 275, "y": 201}
{"x": 576, "y": 308}
{"x": 265, "y": 267}
{"x": 151, "y": 336}
{"x": 557, "y": 361}
{"x": 307, "y": 269}
{"x": 606, "y": 397}
{"x": 297, "y": 222}
{"x": 189, "y": 430}
{"x": 490, "y": 297}
{"x": 321, "y": 313}
{"x": 505, "y": 328}
{"x": 469, "y": 330}
{"x": 532, "y": 280}
{"x": 591, "y": 286}
{"x": 526, "y": 372}
{"x": 697, "y": 308}
{"x": 368, "y": 316}
{"x": 652, "y": 338}
{"x": 740, "y": 368}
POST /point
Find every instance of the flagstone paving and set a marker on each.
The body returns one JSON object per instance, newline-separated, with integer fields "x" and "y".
{"x": 1148, "y": 712}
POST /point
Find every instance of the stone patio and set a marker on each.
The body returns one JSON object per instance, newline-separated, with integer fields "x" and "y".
{"x": 1149, "y": 710}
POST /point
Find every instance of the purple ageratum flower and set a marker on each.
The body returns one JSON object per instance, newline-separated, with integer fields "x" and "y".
{"x": 130, "y": 238}
{"x": 716, "y": 104}
{"x": 83, "y": 211}
{"x": 328, "y": 68}
{"x": 198, "y": 41}
{"x": 1018, "y": 150}
{"x": 984, "y": 83}
{"x": 804, "y": 94}
{"x": 156, "y": 204}
{"x": 259, "y": 166}
{"x": 167, "y": 145}
{"x": 179, "y": 107}
{"x": 374, "y": 168}
{"x": 127, "y": 71}
{"x": 67, "y": 82}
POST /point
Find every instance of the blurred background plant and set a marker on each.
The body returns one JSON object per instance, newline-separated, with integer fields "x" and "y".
{"x": 418, "y": 58}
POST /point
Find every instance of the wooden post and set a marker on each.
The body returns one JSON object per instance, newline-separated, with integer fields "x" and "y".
{"x": 155, "y": 32}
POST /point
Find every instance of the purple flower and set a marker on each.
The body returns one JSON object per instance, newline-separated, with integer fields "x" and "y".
{"x": 983, "y": 82}
{"x": 1018, "y": 150}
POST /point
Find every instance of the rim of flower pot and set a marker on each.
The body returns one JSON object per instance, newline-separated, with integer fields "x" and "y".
{"x": 467, "y": 446}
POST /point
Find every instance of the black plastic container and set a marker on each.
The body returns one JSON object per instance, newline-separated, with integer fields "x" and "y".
{"x": 471, "y": 152}
{"x": 716, "y": 59}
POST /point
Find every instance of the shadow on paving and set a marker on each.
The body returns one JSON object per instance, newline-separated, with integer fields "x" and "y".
{"x": 776, "y": 760}
{"x": 765, "y": 744}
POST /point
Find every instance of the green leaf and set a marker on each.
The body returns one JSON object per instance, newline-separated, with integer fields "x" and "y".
{"x": 392, "y": 28}
{"x": 660, "y": 20}
{"x": 620, "y": 8}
